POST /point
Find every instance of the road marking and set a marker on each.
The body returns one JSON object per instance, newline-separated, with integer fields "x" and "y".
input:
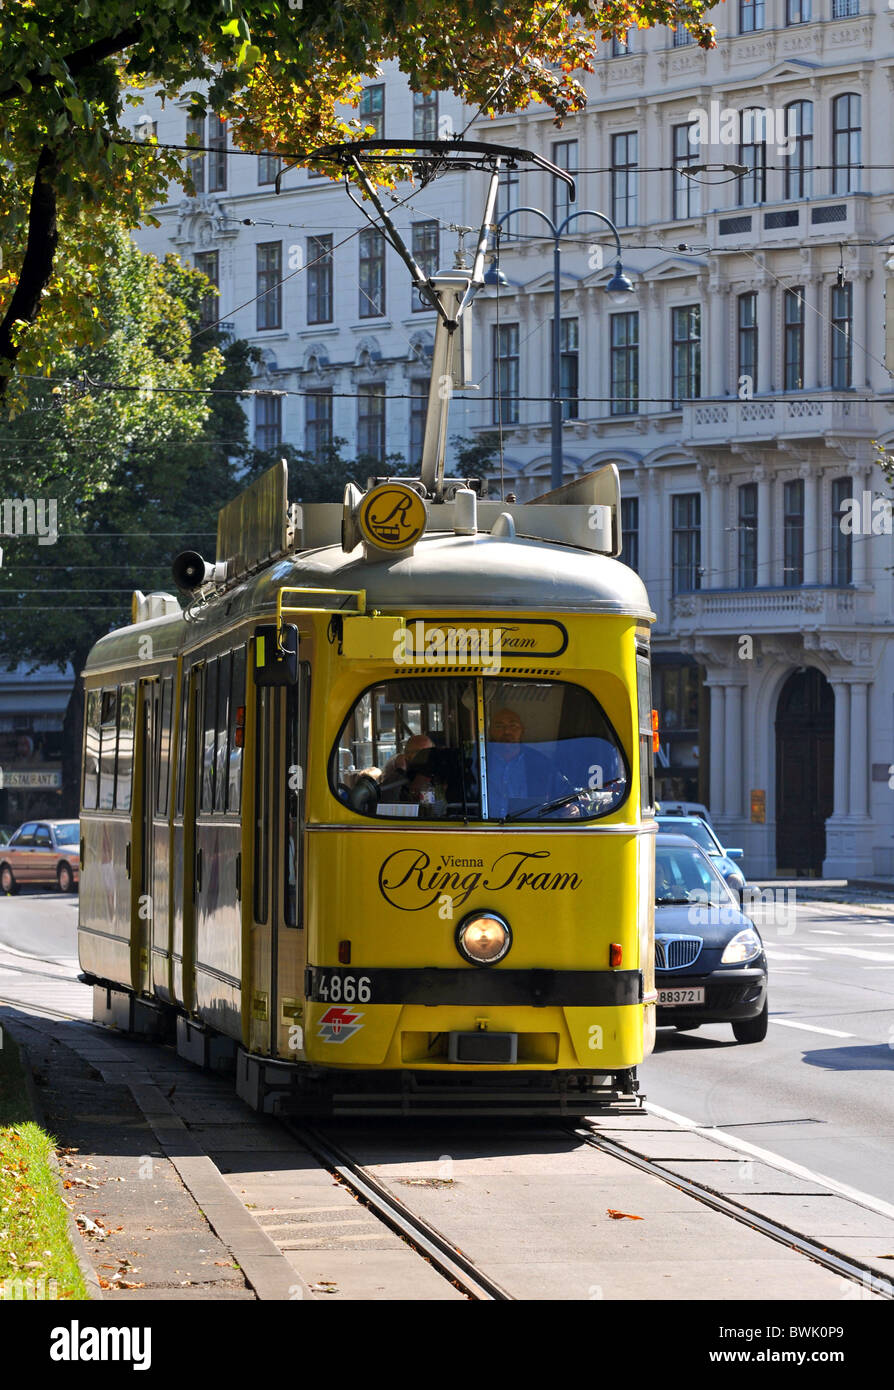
{"x": 784, "y": 1165}
{"x": 773, "y": 954}
{"x": 856, "y": 954}
{"x": 809, "y": 1028}
{"x": 824, "y": 931}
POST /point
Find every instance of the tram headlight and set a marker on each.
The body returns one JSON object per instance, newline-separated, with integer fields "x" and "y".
{"x": 483, "y": 938}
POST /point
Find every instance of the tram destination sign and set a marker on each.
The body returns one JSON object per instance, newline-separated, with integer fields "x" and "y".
{"x": 423, "y": 642}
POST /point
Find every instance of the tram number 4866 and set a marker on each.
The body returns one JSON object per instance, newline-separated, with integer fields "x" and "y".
{"x": 342, "y": 989}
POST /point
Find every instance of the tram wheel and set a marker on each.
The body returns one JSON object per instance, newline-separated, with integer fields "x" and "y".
{"x": 8, "y": 881}
{"x": 752, "y": 1030}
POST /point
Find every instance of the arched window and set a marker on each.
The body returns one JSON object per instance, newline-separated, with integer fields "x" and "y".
{"x": 797, "y": 166}
{"x": 846, "y": 132}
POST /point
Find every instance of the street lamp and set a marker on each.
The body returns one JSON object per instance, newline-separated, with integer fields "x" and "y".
{"x": 618, "y": 289}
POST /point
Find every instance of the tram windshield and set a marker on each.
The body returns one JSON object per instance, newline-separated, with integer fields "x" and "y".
{"x": 478, "y": 749}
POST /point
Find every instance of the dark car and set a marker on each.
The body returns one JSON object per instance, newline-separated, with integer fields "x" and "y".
{"x": 705, "y": 836}
{"x": 45, "y": 851}
{"x": 710, "y": 965}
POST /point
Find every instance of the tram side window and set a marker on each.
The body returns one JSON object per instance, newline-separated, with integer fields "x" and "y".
{"x": 163, "y": 755}
{"x": 646, "y": 754}
{"x": 126, "y": 731}
{"x": 108, "y": 748}
{"x": 92, "y": 728}
{"x": 237, "y": 731}
{"x": 181, "y": 747}
{"x": 208, "y": 742}
{"x": 224, "y": 668}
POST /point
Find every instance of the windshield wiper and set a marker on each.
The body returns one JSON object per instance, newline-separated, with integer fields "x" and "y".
{"x": 541, "y": 810}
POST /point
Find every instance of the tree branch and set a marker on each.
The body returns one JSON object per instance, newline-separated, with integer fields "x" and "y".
{"x": 80, "y": 60}
{"x": 37, "y": 265}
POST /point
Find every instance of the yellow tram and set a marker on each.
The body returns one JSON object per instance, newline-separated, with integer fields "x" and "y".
{"x": 371, "y": 818}
{"x": 380, "y": 830}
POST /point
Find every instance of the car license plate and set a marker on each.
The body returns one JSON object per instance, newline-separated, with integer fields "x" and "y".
{"x": 681, "y": 996}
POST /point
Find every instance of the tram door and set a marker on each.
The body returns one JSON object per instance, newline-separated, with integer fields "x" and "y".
{"x": 278, "y": 949}
{"x": 142, "y": 930}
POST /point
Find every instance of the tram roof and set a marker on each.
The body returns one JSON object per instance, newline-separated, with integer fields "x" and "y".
{"x": 475, "y": 573}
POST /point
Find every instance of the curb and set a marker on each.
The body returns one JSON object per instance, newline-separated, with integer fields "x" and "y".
{"x": 76, "y": 1240}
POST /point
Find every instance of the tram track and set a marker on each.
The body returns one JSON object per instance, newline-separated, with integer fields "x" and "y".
{"x": 844, "y": 1266}
{"x": 462, "y": 1272}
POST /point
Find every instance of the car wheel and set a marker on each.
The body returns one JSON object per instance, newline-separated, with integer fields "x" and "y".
{"x": 752, "y": 1030}
{"x": 64, "y": 878}
{"x": 7, "y": 881}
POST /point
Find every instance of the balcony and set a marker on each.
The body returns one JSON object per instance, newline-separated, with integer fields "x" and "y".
{"x": 718, "y": 423}
{"x": 729, "y": 612}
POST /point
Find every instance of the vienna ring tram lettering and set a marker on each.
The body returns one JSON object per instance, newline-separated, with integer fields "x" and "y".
{"x": 408, "y": 879}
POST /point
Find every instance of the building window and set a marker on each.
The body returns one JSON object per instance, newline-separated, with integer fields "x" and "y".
{"x": 372, "y": 110}
{"x": 793, "y": 533}
{"x": 418, "y": 411}
{"x": 268, "y": 168}
{"x": 846, "y": 143}
{"x": 425, "y": 115}
{"x": 747, "y": 533}
{"x": 195, "y": 134}
{"x": 682, "y": 37}
{"x": 686, "y": 541}
{"x": 319, "y": 279}
{"x": 507, "y": 200}
{"x": 371, "y": 422}
{"x": 623, "y": 179}
{"x": 797, "y": 167}
{"x": 621, "y": 47}
{"x": 568, "y": 367}
{"x": 686, "y": 192}
{"x": 269, "y": 284}
{"x": 842, "y": 541}
{"x": 426, "y": 253}
{"x": 630, "y": 532}
{"x": 208, "y": 262}
{"x": 842, "y": 329}
{"x": 506, "y": 374}
{"x": 268, "y": 422}
{"x": 686, "y": 354}
{"x": 625, "y": 363}
{"x": 794, "y": 339}
{"x": 317, "y": 422}
{"x": 372, "y": 274}
{"x": 217, "y": 158}
{"x": 797, "y": 11}
{"x": 564, "y": 157}
{"x": 751, "y": 16}
{"x": 747, "y": 323}
{"x": 753, "y": 154}
{"x": 845, "y": 9}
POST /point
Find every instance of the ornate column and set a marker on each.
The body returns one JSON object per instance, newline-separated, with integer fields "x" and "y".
{"x": 812, "y": 545}
{"x": 718, "y": 744}
{"x": 718, "y": 337}
{"x": 860, "y": 542}
{"x": 766, "y": 375}
{"x": 860, "y": 374}
{"x": 857, "y": 755}
{"x": 733, "y": 752}
{"x": 764, "y": 526}
{"x": 841, "y": 750}
{"x": 718, "y": 576}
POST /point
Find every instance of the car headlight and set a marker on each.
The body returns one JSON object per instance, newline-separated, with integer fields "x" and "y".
{"x": 743, "y": 946}
{"x": 483, "y": 938}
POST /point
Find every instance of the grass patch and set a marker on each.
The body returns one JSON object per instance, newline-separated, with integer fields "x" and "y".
{"x": 36, "y": 1258}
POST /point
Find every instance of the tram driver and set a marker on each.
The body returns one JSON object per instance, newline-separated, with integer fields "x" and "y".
{"x": 517, "y": 775}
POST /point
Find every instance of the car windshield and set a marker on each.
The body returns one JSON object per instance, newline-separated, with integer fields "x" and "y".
{"x": 696, "y": 830}
{"x": 67, "y": 834}
{"x": 495, "y": 750}
{"x": 684, "y": 875}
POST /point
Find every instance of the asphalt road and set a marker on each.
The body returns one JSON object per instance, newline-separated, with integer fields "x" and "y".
{"x": 817, "y": 1091}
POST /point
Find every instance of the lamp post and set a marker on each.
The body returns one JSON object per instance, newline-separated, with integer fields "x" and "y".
{"x": 618, "y": 290}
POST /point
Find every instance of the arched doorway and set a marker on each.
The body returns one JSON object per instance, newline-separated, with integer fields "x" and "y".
{"x": 805, "y": 741}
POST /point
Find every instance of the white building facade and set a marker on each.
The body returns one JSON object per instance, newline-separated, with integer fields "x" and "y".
{"x": 739, "y": 393}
